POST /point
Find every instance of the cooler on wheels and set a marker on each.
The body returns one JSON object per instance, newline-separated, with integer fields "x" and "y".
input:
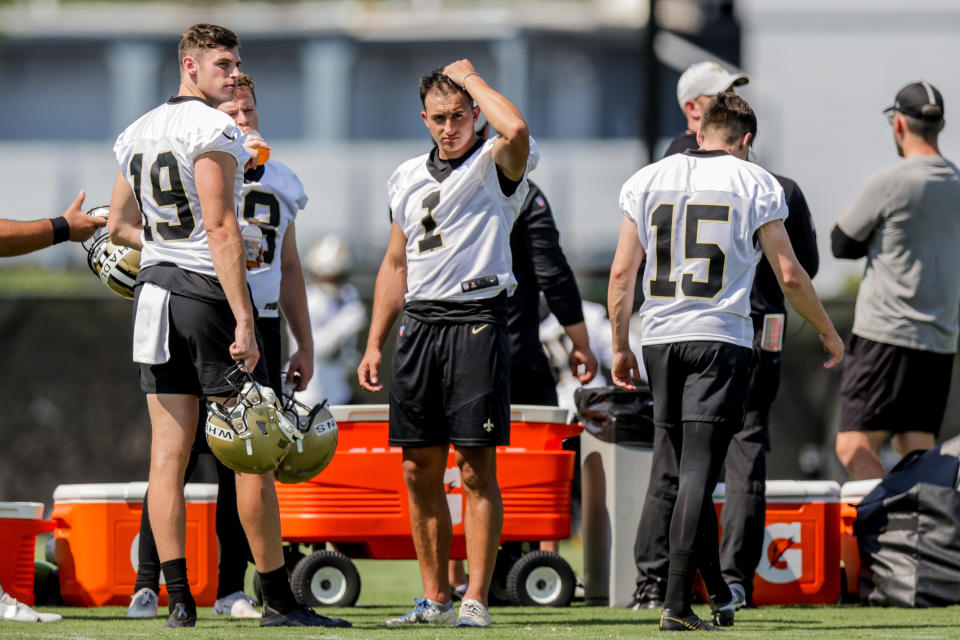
{"x": 359, "y": 504}
{"x": 20, "y": 522}
{"x": 97, "y": 536}
{"x": 800, "y": 562}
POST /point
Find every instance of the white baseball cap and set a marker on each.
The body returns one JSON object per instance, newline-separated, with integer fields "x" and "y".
{"x": 706, "y": 79}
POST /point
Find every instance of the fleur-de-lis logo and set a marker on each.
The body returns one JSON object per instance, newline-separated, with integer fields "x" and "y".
{"x": 488, "y": 425}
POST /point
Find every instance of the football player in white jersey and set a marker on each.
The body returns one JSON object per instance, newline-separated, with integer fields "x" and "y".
{"x": 181, "y": 170}
{"x": 272, "y": 196}
{"x": 448, "y": 268}
{"x": 699, "y": 215}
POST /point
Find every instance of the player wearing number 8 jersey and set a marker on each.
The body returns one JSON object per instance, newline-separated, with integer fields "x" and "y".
{"x": 181, "y": 169}
{"x": 698, "y": 216}
{"x": 448, "y": 267}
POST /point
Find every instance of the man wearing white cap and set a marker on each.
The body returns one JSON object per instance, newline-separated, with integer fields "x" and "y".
{"x": 698, "y": 84}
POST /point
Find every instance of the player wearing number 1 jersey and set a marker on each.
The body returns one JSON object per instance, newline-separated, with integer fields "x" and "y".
{"x": 698, "y": 216}
{"x": 181, "y": 169}
{"x": 448, "y": 266}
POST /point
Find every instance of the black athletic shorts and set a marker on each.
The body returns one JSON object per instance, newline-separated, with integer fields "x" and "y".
{"x": 698, "y": 381}
{"x": 270, "y": 354}
{"x": 450, "y": 384}
{"x": 884, "y": 387}
{"x": 201, "y": 333}
{"x": 533, "y": 383}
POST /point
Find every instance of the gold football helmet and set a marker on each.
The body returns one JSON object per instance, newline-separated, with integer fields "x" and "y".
{"x": 116, "y": 266}
{"x": 252, "y": 435}
{"x": 313, "y": 452}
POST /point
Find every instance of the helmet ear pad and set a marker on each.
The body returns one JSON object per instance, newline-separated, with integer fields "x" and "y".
{"x": 313, "y": 452}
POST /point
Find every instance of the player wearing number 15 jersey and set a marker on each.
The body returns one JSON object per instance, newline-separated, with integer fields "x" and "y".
{"x": 448, "y": 266}
{"x": 697, "y": 217}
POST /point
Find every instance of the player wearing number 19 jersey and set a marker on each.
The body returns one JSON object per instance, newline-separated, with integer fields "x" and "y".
{"x": 697, "y": 217}
{"x": 174, "y": 199}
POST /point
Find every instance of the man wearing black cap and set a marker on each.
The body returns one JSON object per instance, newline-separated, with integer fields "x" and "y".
{"x": 904, "y": 220}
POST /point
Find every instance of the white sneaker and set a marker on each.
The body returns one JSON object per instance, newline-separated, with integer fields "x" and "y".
{"x": 426, "y": 612}
{"x": 143, "y": 604}
{"x": 14, "y": 611}
{"x": 473, "y": 614}
{"x": 739, "y": 595}
{"x": 237, "y": 604}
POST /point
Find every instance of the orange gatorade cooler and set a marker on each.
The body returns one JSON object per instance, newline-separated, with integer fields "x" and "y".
{"x": 360, "y": 501}
{"x": 800, "y": 562}
{"x": 20, "y": 522}
{"x": 851, "y": 493}
{"x": 97, "y": 536}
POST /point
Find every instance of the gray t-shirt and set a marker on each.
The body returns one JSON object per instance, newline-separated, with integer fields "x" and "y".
{"x": 910, "y": 217}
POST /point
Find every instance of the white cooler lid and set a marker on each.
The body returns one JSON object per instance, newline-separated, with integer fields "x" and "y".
{"x": 22, "y": 510}
{"x": 381, "y": 413}
{"x": 792, "y": 490}
{"x": 125, "y": 492}
{"x": 857, "y": 489}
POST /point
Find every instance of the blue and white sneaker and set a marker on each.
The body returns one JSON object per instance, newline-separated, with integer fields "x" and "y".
{"x": 426, "y": 612}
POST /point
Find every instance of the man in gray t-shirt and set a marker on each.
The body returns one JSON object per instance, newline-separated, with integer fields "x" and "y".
{"x": 906, "y": 221}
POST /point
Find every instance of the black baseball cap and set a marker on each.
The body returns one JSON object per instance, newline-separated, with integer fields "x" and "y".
{"x": 919, "y": 100}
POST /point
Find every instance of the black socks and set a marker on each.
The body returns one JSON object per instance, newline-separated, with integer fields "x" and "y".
{"x": 275, "y": 587}
{"x": 178, "y": 589}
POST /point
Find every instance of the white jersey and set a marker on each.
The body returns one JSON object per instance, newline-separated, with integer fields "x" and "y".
{"x": 156, "y": 155}
{"x": 457, "y": 226}
{"x": 697, "y": 213}
{"x": 272, "y": 198}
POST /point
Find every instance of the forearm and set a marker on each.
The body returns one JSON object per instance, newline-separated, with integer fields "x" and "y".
{"x": 578, "y": 335}
{"x": 293, "y": 305}
{"x": 391, "y": 286}
{"x": 619, "y": 307}
{"x": 226, "y": 250}
{"x": 799, "y": 292}
{"x": 503, "y": 115}
{"x": 19, "y": 237}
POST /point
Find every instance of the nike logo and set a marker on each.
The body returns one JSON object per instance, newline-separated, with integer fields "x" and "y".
{"x": 477, "y": 330}
{"x": 231, "y": 138}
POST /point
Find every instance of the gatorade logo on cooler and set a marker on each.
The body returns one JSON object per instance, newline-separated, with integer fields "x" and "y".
{"x": 451, "y": 481}
{"x": 782, "y": 558}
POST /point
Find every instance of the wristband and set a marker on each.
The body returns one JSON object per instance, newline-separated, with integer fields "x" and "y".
{"x": 463, "y": 83}
{"x": 61, "y": 229}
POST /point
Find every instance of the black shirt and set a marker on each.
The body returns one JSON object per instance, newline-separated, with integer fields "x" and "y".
{"x": 766, "y": 295}
{"x": 538, "y": 265}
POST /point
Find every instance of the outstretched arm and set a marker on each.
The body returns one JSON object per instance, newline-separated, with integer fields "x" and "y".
{"x": 19, "y": 237}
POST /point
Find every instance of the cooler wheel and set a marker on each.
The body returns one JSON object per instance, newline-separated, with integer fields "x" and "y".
{"x": 541, "y": 579}
{"x": 326, "y": 579}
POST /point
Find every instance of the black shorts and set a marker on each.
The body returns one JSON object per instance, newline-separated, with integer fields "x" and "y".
{"x": 270, "y": 354}
{"x": 884, "y": 387}
{"x": 698, "y": 381}
{"x": 450, "y": 384}
{"x": 201, "y": 333}
{"x": 533, "y": 383}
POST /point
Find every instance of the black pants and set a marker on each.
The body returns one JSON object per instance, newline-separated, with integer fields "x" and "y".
{"x": 744, "y": 510}
{"x": 234, "y": 549}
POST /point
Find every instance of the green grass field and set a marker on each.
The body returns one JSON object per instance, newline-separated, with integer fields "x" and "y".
{"x": 390, "y": 585}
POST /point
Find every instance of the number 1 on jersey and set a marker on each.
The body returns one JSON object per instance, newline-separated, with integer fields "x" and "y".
{"x": 432, "y": 239}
